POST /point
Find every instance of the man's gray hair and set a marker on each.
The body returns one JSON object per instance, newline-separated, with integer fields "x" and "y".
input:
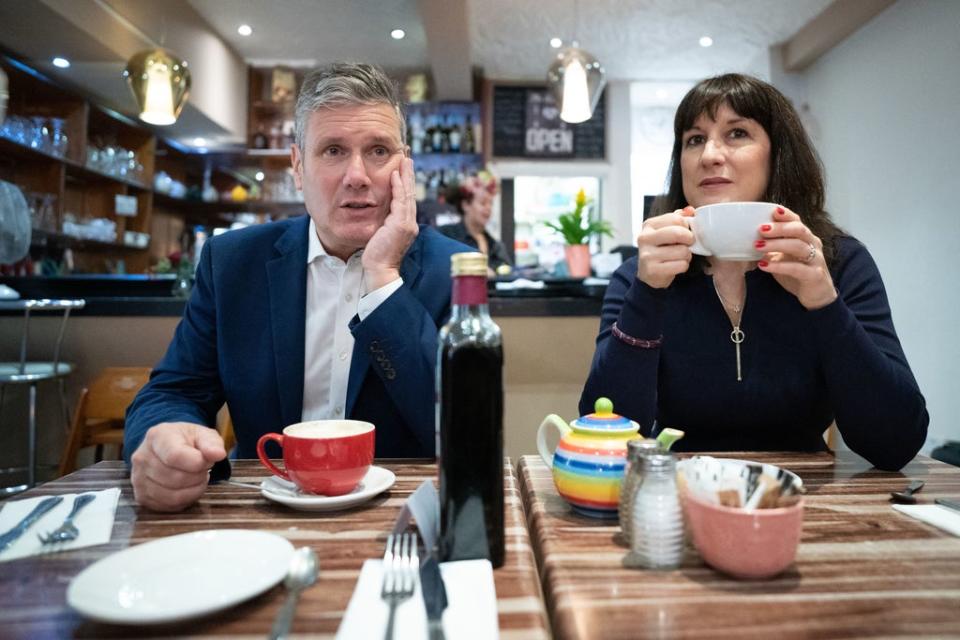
{"x": 345, "y": 84}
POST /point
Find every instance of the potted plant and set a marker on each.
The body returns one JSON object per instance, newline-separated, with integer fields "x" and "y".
{"x": 577, "y": 231}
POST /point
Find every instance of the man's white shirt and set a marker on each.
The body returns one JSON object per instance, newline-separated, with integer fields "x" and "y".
{"x": 335, "y": 293}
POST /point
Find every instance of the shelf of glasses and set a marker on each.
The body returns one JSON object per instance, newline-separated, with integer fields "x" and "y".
{"x": 42, "y": 237}
{"x": 224, "y": 206}
{"x": 10, "y": 148}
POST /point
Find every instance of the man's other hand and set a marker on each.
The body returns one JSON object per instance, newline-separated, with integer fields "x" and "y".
{"x": 385, "y": 250}
{"x": 170, "y": 467}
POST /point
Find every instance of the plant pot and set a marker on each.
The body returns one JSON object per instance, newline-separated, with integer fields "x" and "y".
{"x": 578, "y": 260}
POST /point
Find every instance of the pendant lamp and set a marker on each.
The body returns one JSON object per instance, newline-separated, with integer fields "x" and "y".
{"x": 576, "y": 79}
{"x": 160, "y": 83}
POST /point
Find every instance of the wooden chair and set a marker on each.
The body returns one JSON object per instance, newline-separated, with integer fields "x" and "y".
{"x": 101, "y": 409}
{"x": 225, "y": 427}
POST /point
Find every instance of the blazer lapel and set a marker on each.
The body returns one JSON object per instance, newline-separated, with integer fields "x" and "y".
{"x": 287, "y": 277}
{"x": 410, "y": 272}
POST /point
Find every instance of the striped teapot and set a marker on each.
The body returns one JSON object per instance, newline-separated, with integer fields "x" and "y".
{"x": 589, "y": 461}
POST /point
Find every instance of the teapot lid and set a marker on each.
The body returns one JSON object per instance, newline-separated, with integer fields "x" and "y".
{"x": 604, "y": 419}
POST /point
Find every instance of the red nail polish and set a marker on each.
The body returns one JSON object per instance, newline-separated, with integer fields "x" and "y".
{"x": 763, "y": 263}
{"x": 780, "y": 210}
{"x": 765, "y": 227}
{"x": 760, "y": 244}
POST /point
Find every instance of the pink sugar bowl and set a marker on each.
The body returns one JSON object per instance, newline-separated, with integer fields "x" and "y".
{"x": 744, "y": 543}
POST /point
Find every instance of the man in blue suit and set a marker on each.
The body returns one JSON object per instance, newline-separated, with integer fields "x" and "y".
{"x": 329, "y": 315}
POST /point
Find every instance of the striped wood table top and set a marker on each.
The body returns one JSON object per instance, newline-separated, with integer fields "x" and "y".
{"x": 862, "y": 569}
{"x": 33, "y": 590}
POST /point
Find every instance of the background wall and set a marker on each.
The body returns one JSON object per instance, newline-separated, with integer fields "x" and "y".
{"x": 883, "y": 111}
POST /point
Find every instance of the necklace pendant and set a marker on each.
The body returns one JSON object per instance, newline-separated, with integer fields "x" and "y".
{"x": 737, "y": 336}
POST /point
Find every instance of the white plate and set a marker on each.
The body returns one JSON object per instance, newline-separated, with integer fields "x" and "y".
{"x": 279, "y": 490}
{"x": 180, "y": 577}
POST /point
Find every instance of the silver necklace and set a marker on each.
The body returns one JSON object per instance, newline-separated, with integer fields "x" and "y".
{"x": 737, "y": 335}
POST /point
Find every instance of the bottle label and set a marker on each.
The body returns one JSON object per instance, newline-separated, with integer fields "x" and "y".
{"x": 469, "y": 290}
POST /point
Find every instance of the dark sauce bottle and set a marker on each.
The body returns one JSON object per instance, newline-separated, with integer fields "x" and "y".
{"x": 470, "y": 420}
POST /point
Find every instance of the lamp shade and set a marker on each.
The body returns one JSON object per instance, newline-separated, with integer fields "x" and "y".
{"x": 577, "y": 80}
{"x": 160, "y": 83}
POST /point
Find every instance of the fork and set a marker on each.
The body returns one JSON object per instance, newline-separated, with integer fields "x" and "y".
{"x": 401, "y": 566}
{"x": 68, "y": 531}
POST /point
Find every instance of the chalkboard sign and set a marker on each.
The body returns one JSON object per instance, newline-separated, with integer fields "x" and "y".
{"x": 526, "y": 124}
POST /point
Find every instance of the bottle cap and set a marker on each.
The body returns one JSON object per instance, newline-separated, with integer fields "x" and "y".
{"x": 468, "y": 264}
{"x": 641, "y": 447}
{"x": 658, "y": 462}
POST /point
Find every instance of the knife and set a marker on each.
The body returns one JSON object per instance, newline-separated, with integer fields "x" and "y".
{"x": 950, "y": 504}
{"x": 38, "y": 512}
{"x": 434, "y": 596}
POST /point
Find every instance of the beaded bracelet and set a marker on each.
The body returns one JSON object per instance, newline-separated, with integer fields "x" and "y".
{"x": 635, "y": 342}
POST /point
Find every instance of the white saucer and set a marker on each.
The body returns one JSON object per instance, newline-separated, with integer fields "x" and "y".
{"x": 180, "y": 577}
{"x": 279, "y": 490}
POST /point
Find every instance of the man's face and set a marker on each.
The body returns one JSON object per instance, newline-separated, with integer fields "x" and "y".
{"x": 344, "y": 172}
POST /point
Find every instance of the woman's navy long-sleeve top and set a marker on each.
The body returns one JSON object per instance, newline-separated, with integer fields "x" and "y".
{"x": 801, "y": 369}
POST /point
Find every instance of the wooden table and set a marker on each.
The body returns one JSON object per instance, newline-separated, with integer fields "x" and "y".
{"x": 862, "y": 569}
{"x": 32, "y": 590}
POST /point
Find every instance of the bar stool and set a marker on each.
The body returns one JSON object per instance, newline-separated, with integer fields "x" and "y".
{"x": 33, "y": 372}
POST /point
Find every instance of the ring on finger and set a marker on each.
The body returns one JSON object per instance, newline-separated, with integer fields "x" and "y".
{"x": 811, "y": 255}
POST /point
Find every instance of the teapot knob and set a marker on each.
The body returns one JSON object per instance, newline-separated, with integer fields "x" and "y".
{"x": 603, "y": 407}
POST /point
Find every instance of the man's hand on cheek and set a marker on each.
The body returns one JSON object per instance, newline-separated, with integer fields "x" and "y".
{"x": 385, "y": 250}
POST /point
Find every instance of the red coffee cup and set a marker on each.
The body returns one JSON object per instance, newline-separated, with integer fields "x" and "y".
{"x": 326, "y": 457}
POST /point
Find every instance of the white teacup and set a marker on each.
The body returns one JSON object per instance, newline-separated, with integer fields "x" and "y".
{"x": 727, "y": 230}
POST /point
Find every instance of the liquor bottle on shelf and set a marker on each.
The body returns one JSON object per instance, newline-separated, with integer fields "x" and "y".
{"x": 428, "y": 136}
{"x": 415, "y": 133}
{"x": 469, "y": 385}
{"x": 276, "y": 136}
{"x": 454, "y": 135}
{"x": 477, "y": 137}
{"x": 260, "y": 139}
{"x": 421, "y": 184}
{"x": 440, "y": 141}
{"x": 469, "y": 142}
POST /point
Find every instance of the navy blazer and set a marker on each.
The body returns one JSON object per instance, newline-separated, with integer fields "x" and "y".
{"x": 241, "y": 341}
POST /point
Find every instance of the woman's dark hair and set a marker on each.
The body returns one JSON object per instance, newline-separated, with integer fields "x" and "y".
{"x": 457, "y": 196}
{"x": 461, "y": 193}
{"x": 796, "y": 175}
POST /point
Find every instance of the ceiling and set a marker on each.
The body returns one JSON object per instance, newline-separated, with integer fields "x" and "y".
{"x": 651, "y": 40}
{"x": 509, "y": 39}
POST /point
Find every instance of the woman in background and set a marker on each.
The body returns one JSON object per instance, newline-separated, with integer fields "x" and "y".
{"x": 815, "y": 333}
{"x": 473, "y": 198}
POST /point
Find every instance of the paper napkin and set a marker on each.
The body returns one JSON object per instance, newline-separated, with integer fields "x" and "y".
{"x": 520, "y": 283}
{"x": 95, "y": 522}
{"x": 471, "y": 605}
{"x": 471, "y": 594}
{"x": 941, "y": 517}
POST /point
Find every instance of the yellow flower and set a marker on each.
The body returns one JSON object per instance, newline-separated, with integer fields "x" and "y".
{"x": 581, "y": 198}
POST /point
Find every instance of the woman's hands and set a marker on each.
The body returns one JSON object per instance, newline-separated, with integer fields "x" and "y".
{"x": 794, "y": 257}
{"x": 664, "y": 248}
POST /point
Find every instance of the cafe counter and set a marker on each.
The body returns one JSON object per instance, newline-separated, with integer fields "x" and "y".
{"x": 548, "y": 335}
{"x": 140, "y": 295}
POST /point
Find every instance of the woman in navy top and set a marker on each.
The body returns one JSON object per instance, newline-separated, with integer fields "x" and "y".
{"x": 817, "y": 342}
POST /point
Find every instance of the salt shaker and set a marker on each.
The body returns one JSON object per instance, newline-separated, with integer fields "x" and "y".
{"x": 657, "y": 531}
{"x": 631, "y": 480}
